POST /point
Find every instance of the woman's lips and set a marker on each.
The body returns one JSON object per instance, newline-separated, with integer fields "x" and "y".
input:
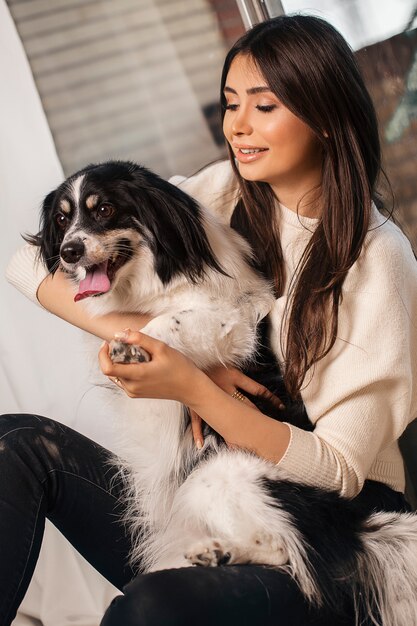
{"x": 248, "y": 155}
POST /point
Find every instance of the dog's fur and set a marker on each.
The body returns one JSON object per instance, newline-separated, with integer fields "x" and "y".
{"x": 170, "y": 258}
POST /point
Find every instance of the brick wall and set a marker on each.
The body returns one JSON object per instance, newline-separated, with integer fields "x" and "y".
{"x": 230, "y": 22}
{"x": 390, "y": 71}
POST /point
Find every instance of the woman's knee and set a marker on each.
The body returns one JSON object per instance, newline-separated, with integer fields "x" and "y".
{"x": 16, "y": 422}
{"x": 154, "y": 599}
{"x": 24, "y": 437}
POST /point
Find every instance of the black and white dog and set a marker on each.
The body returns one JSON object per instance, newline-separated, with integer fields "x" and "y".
{"x": 133, "y": 242}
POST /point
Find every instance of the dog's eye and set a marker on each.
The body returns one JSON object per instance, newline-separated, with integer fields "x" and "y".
{"x": 61, "y": 220}
{"x": 105, "y": 210}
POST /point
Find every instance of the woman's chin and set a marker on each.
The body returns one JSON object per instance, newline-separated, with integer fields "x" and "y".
{"x": 250, "y": 174}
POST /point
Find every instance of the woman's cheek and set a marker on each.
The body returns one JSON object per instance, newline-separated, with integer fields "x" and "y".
{"x": 226, "y": 127}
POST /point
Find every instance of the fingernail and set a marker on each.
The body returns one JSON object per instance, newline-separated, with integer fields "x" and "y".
{"x": 199, "y": 444}
{"x": 122, "y": 334}
{"x": 103, "y": 344}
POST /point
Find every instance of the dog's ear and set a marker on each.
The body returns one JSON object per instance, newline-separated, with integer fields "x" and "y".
{"x": 176, "y": 223}
{"x": 49, "y": 237}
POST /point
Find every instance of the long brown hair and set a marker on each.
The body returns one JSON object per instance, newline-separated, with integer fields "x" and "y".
{"x": 313, "y": 72}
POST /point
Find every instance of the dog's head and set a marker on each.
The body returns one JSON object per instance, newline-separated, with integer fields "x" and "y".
{"x": 98, "y": 221}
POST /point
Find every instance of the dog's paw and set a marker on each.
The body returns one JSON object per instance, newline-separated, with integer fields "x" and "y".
{"x": 209, "y": 553}
{"x": 265, "y": 549}
{"x": 121, "y": 352}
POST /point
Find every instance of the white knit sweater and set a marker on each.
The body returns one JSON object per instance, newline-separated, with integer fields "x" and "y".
{"x": 362, "y": 395}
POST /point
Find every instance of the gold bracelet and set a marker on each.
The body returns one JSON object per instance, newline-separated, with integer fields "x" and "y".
{"x": 238, "y": 396}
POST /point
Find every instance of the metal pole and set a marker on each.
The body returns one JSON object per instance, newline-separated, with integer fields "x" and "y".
{"x": 273, "y": 7}
{"x": 255, "y": 11}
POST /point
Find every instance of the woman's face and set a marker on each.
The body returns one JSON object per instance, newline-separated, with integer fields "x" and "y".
{"x": 270, "y": 143}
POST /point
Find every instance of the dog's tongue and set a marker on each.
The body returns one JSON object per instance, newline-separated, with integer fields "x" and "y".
{"x": 96, "y": 281}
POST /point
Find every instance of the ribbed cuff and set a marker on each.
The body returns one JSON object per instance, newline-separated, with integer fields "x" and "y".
{"x": 392, "y": 474}
{"x": 311, "y": 461}
{"x": 298, "y": 456}
{"x": 26, "y": 271}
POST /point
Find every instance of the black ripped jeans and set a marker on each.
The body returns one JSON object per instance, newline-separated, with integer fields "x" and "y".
{"x": 49, "y": 470}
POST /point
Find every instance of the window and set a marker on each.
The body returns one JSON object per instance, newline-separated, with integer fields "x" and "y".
{"x": 130, "y": 79}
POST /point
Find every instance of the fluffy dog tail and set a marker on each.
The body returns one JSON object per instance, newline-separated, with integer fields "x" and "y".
{"x": 388, "y": 569}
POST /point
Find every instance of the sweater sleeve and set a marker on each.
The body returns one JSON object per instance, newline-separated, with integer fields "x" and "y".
{"x": 26, "y": 271}
{"x": 362, "y": 395}
{"x": 215, "y": 187}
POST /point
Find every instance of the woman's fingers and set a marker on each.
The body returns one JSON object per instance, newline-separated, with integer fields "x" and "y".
{"x": 242, "y": 398}
{"x": 127, "y": 377}
{"x": 142, "y": 340}
{"x": 167, "y": 375}
{"x": 117, "y": 381}
{"x": 197, "y": 429}
{"x": 105, "y": 362}
{"x": 231, "y": 380}
{"x": 120, "y": 370}
{"x": 255, "y": 389}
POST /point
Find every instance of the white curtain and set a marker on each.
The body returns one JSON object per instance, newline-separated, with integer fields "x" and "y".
{"x": 41, "y": 358}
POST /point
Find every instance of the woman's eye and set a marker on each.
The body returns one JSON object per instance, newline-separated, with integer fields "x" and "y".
{"x": 61, "y": 220}
{"x": 266, "y": 108}
{"x": 105, "y": 210}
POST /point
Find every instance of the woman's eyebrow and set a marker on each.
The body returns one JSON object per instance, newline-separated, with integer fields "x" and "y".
{"x": 250, "y": 91}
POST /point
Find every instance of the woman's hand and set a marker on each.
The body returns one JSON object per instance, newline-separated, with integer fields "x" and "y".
{"x": 172, "y": 376}
{"x": 169, "y": 375}
{"x": 232, "y": 380}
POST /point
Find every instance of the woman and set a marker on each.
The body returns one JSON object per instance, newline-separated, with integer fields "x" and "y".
{"x": 305, "y": 155}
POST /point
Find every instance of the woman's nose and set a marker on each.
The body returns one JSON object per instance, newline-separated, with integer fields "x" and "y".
{"x": 241, "y": 124}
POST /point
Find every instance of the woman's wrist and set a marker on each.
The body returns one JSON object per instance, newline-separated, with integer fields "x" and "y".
{"x": 196, "y": 388}
{"x": 237, "y": 422}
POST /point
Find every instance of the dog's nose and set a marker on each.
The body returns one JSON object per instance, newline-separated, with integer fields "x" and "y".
{"x": 72, "y": 251}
